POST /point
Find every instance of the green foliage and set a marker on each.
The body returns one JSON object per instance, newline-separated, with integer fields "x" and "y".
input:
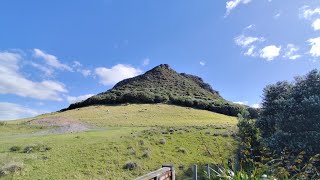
{"x": 2, "y": 123}
{"x": 164, "y": 85}
{"x": 15, "y": 148}
{"x": 250, "y": 149}
{"x": 290, "y": 115}
{"x": 36, "y": 148}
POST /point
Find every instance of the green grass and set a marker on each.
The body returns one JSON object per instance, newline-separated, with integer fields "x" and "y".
{"x": 101, "y": 154}
{"x": 146, "y": 115}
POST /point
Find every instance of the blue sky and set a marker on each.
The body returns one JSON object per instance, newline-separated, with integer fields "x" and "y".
{"x": 53, "y": 53}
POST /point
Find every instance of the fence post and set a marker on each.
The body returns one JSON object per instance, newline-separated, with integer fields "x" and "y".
{"x": 195, "y": 172}
{"x": 173, "y": 171}
{"x": 208, "y": 171}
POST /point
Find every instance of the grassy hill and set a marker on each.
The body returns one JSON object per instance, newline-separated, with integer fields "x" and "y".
{"x": 148, "y": 135}
{"x": 164, "y": 85}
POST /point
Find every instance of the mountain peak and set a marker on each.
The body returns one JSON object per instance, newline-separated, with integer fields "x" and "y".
{"x": 164, "y": 85}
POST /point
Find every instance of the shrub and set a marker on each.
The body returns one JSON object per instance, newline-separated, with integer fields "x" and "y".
{"x": 141, "y": 142}
{"x": 290, "y": 115}
{"x": 146, "y": 155}
{"x": 15, "y": 148}
{"x": 130, "y": 165}
{"x": 162, "y": 141}
{"x": 2, "y": 123}
{"x": 36, "y": 148}
{"x": 10, "y": 168}
{"x": 182, "y": 150}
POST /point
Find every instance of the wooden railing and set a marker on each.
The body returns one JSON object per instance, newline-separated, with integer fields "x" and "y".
{"x": 167, "y": 172}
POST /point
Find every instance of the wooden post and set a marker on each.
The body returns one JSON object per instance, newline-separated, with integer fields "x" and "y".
{"x": 173, "y": 171}
{"x": 195, "y": 172}
{"x": 208, "y": 171}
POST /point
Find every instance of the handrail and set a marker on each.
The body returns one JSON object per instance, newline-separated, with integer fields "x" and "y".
{"x": 167, "y": 172}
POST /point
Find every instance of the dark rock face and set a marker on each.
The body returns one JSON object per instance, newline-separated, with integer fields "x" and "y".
{"x": 164, "y": 85}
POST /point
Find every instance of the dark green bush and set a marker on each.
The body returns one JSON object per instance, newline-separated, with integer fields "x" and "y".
{"x": 15, "y": 148}
{"x": 290, "y": 116}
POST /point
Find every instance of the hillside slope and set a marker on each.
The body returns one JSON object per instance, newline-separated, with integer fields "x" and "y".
{"x": 149, "y": 135}
{"x": 164, "y": 85}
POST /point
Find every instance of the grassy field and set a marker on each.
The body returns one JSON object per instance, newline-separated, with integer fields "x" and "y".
{"x": 146, "y": 135}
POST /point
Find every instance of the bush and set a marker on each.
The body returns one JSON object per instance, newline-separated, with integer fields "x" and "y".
{"x": 15, "y": 148}
{"x": 130, "y": 165}
{"x": 146, "y": 155}
{"x": 10, "y": 168}
{"x": 182, "y": 150}
{"x": 162, "y": 141}
{"x": 2, "y": 123}
{"x": 290, "y": 115}
{"x": 36, "y": 148}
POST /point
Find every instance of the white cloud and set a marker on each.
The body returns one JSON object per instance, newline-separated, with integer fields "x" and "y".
{"x": 230, "y": 5}
{"x": 308, "y": 13}
{"x": 291, "y": 52}
{"x": 47, "y": 71}
{"x": 76, "y": 64}
{"x": 13, "y": 82}
{"x": 79, "y": 68}
{"x": 250, "y": 51}
{"x": 251, "y": 26}
{"x": 51, "y": 60}
{"x": 73, "y": 99}
{"x": 146, "y": 62}
{"x": 256, "y": 105}
{"x": 247, "y": 104}
{"x": 84, "y": 72}
{"x": 110, "y": 76}
{"x": 11, "y": 111}
{"x": 316, "y": 25}
{"x": 270, "y": 52}
{"x": 276, "y": 16}
{"x": 202, "y": 63}
{"x": 315, "y": 46}
{"x": 245, "y": 41}
{"x": 242, "y": 102}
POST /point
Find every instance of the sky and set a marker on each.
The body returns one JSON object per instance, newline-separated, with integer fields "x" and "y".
{"x": 53, "y": 53}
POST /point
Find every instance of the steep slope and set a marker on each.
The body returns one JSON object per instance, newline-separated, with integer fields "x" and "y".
{"x": 164, "y": 85}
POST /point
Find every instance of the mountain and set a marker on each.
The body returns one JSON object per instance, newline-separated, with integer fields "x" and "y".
{"x": 164, "y": 85}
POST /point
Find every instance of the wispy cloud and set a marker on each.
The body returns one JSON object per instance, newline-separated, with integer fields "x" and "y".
{"x": 232, "y": 4}
{"x": 110, "y": 76}
{"x": 13, "y": 82}
{"x": 80, "y": 69}
{"x": 315, "y": 47}
{"x": 247, "y": 104}
{"x": 146, "y": 62}
{"x": 11, "y": 111}
{"x": 245, "y": 41}
{"x": 51, "y": 60}
{"x": 202, "y": 63}
{"x": 307, "y": 12}
{"x": 277, "y": 15}
{"x": 291, "y": 52}
{"x": 74, "y": 99}
{"x": 47, "y": 71}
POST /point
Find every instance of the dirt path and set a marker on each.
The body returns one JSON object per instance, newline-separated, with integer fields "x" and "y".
{"x": 60, "y": 125}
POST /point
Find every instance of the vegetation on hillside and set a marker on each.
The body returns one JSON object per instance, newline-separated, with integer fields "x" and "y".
{"x": 127, "y": 141}
{"x": 163, "y": 85}
{"x": 283, "y": 142}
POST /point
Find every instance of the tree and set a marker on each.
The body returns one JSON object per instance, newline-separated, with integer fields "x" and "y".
{"x": 290, "y": 115}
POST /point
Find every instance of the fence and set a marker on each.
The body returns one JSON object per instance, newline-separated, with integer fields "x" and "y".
{"x": 167, "y": 172}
